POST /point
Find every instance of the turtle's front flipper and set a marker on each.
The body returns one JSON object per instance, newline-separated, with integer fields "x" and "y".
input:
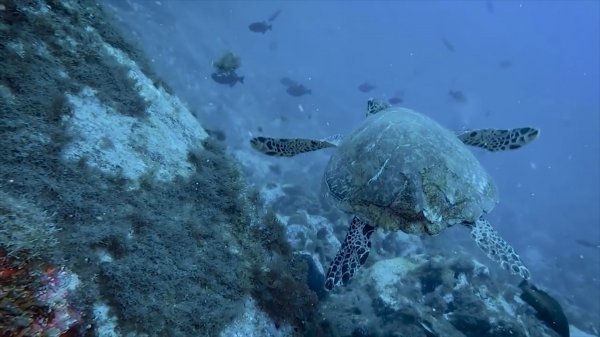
{"x": 376, "y": 105}
{"x": 288, "y": 147}
{"x": 497, "y": 249}
{"x": 499, "y": 140}
{"x": 352, "y": 254}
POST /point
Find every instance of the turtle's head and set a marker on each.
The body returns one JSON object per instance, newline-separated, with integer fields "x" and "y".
{"x": 375, "y": 105}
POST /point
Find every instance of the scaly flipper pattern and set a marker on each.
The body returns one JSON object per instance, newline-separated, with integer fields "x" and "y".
{"x": 288, "y": 147}
{"x": 352, "y": 254}
{"x": 497, "y": 249}
{"x": 499, "y": 140}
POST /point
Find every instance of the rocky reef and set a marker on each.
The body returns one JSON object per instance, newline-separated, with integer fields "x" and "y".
{"x": 119, "y": 214}
{"x": 410, "y": 287}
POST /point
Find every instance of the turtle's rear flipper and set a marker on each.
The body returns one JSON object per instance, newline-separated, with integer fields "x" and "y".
{"x": 352, "y": 254}
{"x": 288, "y": 147}
{"x": 499, "y": 140}
{"x": 497, "y": 249}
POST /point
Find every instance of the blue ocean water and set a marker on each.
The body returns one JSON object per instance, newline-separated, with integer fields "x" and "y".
{"x": 516, "y": 63}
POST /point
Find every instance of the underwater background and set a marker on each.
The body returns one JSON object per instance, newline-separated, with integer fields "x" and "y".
{"x": 132, "y": 204}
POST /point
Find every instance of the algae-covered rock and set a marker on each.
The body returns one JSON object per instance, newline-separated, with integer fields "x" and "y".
{"x": 25, "y": 230}
{"x": 107, "y": 171}
{"x": 424, "y": 295}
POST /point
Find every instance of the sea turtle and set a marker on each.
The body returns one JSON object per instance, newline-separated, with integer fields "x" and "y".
{"x": 400, "y": 170}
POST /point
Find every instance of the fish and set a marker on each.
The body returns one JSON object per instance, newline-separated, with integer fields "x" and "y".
{"x": 448, "y": 44}
{"x": 218, "y": 134}
{"x": 428, "y": 329}
{"x": 298, "y": 90}
{"x": 287, "y": 81}
{"x": 457, "y": 96}
{"x": 490, "y": 6}
{"x": 505, "y": 64}
{"x": 275, "y": 169}
{"x": 587, "y": 243}
{"x": 314, "y": 276}
{"x": 395, "y": 100}
{"x": 230, "y": 78}
{"x": 274, "y": 15}
{"x": 548, "y": 309}
{"x": 260, "y": 27}
{"x": 366, "y": 87}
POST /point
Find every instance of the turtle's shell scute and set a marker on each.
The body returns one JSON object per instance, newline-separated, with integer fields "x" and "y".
{"x": 401, "y": 170}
